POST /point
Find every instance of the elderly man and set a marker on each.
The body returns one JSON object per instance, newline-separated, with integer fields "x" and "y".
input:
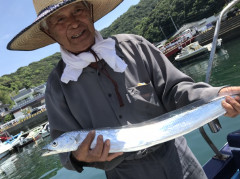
{"x": 113, "y": 82}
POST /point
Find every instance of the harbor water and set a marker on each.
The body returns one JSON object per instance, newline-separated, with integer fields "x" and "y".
{"x": 28, "y": 163}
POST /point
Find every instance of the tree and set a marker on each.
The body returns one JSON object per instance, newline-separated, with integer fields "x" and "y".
{"x": 5, "y": 98}
{"x": 8, "y": 118}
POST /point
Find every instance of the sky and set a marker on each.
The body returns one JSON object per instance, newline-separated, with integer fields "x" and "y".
{"x": 17, "y": 15}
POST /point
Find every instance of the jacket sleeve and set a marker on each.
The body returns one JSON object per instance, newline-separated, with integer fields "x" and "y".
{"x": 59, "y": 116}
{"x": 61, "y": 120}
{"x": 173, "y": 87}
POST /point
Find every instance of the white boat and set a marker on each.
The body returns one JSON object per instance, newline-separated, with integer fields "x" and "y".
{"x": 24, "y": 141}
{"x": 190, "y": 51}
{"x": 46, "y": 130}
{"x": 8, "y": 145}
{"x": 35, "y": 133}
{"x": 15, "y": 140}
{"x": 218, "y": 46}
{"x": 32, "y": 135}
{"x": 4, "y": 149}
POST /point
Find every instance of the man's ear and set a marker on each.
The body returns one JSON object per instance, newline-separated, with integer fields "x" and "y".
{"x": 47, "y": 32}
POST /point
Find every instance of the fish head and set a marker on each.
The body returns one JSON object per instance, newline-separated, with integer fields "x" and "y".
{"x": 64, "y": 143}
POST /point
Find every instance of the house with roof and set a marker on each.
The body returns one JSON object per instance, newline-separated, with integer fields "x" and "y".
{"x": 26, "y": 95}
{"x": 40, "y": 89}
{"x": 27, "y": 99}
{"x": 23, "y": 96}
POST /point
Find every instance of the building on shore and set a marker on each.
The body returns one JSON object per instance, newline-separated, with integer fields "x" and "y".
{"x": 28, "y": 99}
{"x": 28, "y": 103}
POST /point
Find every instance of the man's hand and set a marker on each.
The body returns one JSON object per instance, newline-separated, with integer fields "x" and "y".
{"x": 232, "y": 105}
{"x": 99, "y": 154}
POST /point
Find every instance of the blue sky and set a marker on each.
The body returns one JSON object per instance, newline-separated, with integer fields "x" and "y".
{"x": 18, "y": 14}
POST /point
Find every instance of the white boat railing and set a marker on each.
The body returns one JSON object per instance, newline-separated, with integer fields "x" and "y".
{"x": 215, "y": 125}
{"x": 215, "y": 37}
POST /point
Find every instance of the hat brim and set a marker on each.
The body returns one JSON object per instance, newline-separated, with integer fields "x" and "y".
{"x": 32, "y": 37}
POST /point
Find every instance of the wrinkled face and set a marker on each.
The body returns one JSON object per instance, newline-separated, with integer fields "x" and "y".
{"x": 72, "y": 27}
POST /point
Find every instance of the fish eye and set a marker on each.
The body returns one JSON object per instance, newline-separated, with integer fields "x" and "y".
{"x": 54, "y": 144}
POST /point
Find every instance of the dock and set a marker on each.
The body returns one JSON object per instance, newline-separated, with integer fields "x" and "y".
{"x": 28, "y": 124}
{"x": 229, "y": 30}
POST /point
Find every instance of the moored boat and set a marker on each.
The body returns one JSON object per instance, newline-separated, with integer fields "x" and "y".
{"x": 192, "y": 50}
{"x": 35, "y": 133}
{"x": 46, "y": 130}
{"x": 219, "y": 45}
{"x": 8, "y": 145}
{"x": 4, "y": 149}
{"x": 15, "y": 140}
{"x": 4, "y": 136}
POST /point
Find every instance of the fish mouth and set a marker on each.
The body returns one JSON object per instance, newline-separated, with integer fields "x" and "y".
{"x": 50, "y": 152}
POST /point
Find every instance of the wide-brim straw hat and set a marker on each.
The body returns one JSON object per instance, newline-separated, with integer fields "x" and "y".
{"x": 32, "y": 37}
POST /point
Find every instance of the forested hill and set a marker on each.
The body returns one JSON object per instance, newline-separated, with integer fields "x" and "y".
{"x": 29, "y": 76}
{"x": 144, "y": 19}
{"x": 148, "y": 16}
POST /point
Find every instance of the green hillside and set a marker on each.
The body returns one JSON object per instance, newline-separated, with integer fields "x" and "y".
{"x": 29, "y": 76}
{"x": 143, "y": 19}
{"x": 148, "y": 16}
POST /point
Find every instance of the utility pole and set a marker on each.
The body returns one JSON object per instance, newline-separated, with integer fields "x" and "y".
{"x": 163, "y": 32}
{"x": 173, "y": 22}
{"x": 171, "y": 16}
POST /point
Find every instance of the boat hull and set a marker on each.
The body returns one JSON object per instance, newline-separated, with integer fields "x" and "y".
{"x": 192, "y": 55}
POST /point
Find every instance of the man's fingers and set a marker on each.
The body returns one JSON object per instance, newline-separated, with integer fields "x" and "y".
{"x": 234, "y": 103}
{"x": 230, "y": 90}
{"x": 237, "y": 98}
{"x": 230, "y": 111}
{"x": 234, "y": 89}
{"x": 100, "y": 153}
{"x": 83, "y": 150}
{"x": 87, "y": 141}
{"x": 98, "y": 149}
{"x": 105, "y": 151}
{"x": 105, "y": 155}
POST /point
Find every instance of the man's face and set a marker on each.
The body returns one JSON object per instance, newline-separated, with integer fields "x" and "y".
{"x": 72, "y": 27}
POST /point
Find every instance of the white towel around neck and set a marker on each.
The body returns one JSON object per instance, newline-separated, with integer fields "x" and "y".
{"x": 105, "y": 49}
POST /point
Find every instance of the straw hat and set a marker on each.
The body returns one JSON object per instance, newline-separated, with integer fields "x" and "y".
{"x": 32, "y": 37}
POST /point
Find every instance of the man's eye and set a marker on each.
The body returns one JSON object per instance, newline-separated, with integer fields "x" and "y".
{"x": 79, "y": 11}
{"x": 61, "y": 19}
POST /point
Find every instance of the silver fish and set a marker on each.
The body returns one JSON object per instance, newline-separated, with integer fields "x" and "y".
{"x": 139, "y": 136}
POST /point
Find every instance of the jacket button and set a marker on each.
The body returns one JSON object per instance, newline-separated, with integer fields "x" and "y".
{"x": 120, "y": 116}
{"x": 110, "y": 95}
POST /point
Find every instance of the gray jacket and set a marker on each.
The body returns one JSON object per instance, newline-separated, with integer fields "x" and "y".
{"x": 92, "y": 103}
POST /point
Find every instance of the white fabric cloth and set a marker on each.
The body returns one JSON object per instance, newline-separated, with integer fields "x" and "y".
{"x": 105, "y": 49}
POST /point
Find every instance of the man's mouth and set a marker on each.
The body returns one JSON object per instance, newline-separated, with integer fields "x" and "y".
{"x": 77, "y": 35}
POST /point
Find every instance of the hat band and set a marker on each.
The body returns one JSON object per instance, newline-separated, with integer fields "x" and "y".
{"x": 51, "y": 8}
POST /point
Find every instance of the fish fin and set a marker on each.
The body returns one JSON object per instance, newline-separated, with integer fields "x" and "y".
{"x": 77, "y": 138}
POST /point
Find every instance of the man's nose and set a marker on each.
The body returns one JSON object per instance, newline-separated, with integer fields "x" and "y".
{"x": 74, "y": 22}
